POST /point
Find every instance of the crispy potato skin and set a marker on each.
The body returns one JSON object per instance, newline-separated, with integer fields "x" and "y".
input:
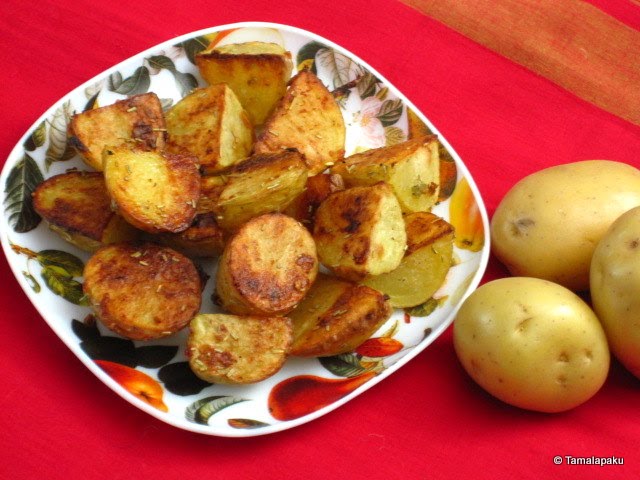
{"x": 267, "y": 267}
{"x": 204, "y": 238}
{"x": 308, "y": 119}
{"x": 142, "y": 291}
{"x": 360, "y": 232}
{"x": 257, "y": 73}
{"x": 317, "y": 189}
{"x": 138, "y": 119}
{"x": 336, "y": 317}
{"x": 211, "y": 125}
{"x": 155, "y": 192}
{"x": 232, "y": 349}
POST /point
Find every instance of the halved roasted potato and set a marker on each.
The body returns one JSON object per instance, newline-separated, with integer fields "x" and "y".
{"x": 360, "y": 231}
{"x": 138, "y": 120}
{"x": 336, "y": 316}
{"x": 154, "y": 191}
{"x": 309, "y": 119}
{"x": 266, "y": 267}
{"x": 204, "y": 238}
{"x": 231, "y": 349}
{"x": 257, "y": 185}
{"x": 142, "y": 291}
{"x": 257, "y": 72}
{"x": 76, "y": 206}
{"x": 211, "y": 125}
{"x": 317, "y": 189}
{"x": 412, "y": 168}
{"x": 424, "y": 268}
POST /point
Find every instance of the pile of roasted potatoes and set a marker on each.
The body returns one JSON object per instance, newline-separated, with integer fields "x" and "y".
{"x": 314, "y": 249}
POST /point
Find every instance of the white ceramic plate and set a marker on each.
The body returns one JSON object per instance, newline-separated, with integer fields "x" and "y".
{"x": 154, "y": 375}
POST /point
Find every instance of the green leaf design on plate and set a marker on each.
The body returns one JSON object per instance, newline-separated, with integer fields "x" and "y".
{"x": 424, "y": 309}
{"x": 62, "y": 284}
{"x": 390, "y": 112}
{"x": 33, "y": 283}
{"x": 59, "y": 149}
{"x": 344, "y": 365}
{"x": 202, "y": 410}
{"x": 91, "y": 103}
{"x": 393, "y": 135}
{"x": 367, "y": 85}
{"x": 72, "y": 265}
{"x": 308, "y": 52}
{"x": 185, "y": 81}
{"x": 246, "y": 423}
{"x": 193, "y": 46}
{"x": 179, "y": 379}
{"x": 21, "y": 182}
{"x": 137, "y": 83}
{"x": 37, "y": 137}
{"x": 339, "y": 67}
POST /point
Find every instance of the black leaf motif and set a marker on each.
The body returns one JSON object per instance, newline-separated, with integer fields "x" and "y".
{"x": 21, "y": 182}
{"x": 179, "y": 379}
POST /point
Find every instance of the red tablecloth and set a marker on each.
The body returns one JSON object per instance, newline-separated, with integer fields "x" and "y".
{"x": 428, "y": 420}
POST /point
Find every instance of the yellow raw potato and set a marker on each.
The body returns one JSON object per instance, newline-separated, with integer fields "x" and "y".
{"x": 532, "y": 343}
{"x": 615, "y": 288}
{"x": 547, "y": 226}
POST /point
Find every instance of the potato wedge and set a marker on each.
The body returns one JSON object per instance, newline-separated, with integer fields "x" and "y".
{"x": 230, "y": 349}
{"x": 257, "y": 185}
{"x": 266, "y": 267}
{"x": 360, "y": 232}
{"x": 257, "y": 72}
{"x": 138, "y": 120}
{"x": 155, "y": 192}
{"x": 204, "y": 238}
{"x": 336, "y": 316}
{"x": 308, "y": 119}
{"x": 412, "y": 168}
{"x": 76, "y": 206}
{"x": 142, "y": 291}
{"x": 211, "y": 125}
{"x": 317, "y": 189}
{"x": 425, "y": 264}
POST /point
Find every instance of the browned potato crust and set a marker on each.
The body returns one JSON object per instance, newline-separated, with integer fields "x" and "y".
{"x": 230, "y": 349}
{"x": 266, "y": 267}
{"x": 77, "y": 207}
{"x": 204, "y": 238}
{"x": 317, "y": 189}
{"x": 138, "y": 119}
{"x": 309, "y": 119}
{"x": 142, "y": 291}
{"x": 211, "y": 125}
{"x": 154, "y": 191}
{"x": 360, "y": 232}
{"x": 336, "y": 317}
{"x": 256, "y": 71}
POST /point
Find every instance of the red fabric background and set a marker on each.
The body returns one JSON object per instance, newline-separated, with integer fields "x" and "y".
{"x": 426, "y": 421}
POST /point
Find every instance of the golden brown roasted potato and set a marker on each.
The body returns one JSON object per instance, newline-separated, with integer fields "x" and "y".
{"x": 154, "y": 191}
{"x": 204, "y": 238}
{"x": 336, "y": 316}
{"x": 266, "y": 267}
{"x": 317, "y": 189}
{"x": 142, "y": 291}
{"x": 257, "y": 185}
{"x": 360, "y": 231}
{"x": 309, "y": 119}
{"x": 230, "y": 349}
{"x": 211, "y": 125}
{"x": 426, "y": 262}
{"x": 257, "y": 72}
{"x": 137, "y": 119}
{"x": 76, "y": 206}
{"x": 412, "y": 168}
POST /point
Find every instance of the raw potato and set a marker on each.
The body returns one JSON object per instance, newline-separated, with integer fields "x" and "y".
{"x": 531, "y": 343}
{"x": 76, "y": 206}
{"x": 267, "y": 267}
{"x": 229, "y": 349}
{"x": 210, "y": 124}
{"x": 336, "y": 317}
{"x": 136, "y": 120}
{"x": 615, "y": 288}
{"x": 142, "y": 291}
{"x": 425, "y": 264}
{"x": 549, "y": 223}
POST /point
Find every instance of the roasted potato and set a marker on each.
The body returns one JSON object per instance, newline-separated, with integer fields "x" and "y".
{"x": 142, "y": 291}
{"x": 204, "y": 238}
{"x": 425, "y": 264}
{"x": 257, "y": 72}
{"x": 260, "y": 184}
{"x": 76, "y": 206}
{"x": 230, "y": 349}
{"x": 211, "y": 125}
{"x": 154, "y": 191}
{"x": 336, "y": 316}
{"x": 138, "y": 119}
{"x": 412, "y": 168}
{"x": 317, "y": 189}
{"x": 266, "y": 267}
{"x": 308, "y": 119}
{"x": 360, "y": 232}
